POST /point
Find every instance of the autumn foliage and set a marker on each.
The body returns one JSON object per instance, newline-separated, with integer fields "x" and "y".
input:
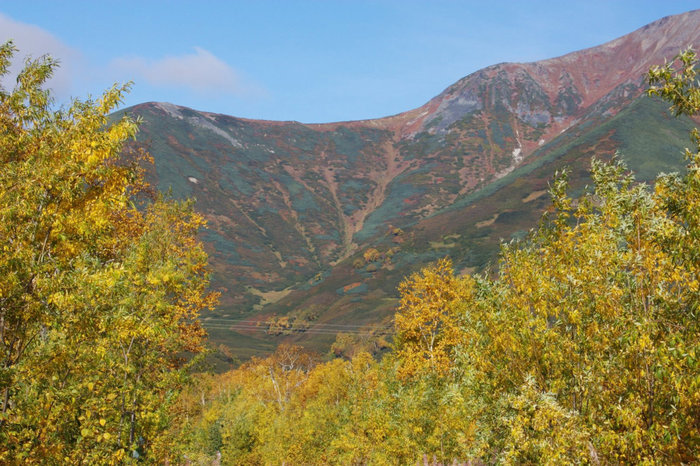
{"x": 582, "y": 347}
{"x": 100, "y": 286}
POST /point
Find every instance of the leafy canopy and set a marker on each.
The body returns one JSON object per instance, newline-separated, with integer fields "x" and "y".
{"x": 100, "y": 287}
{"x": 583, "y": 348}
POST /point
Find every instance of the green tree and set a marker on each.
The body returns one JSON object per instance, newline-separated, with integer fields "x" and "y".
{"x": 100, "y": 288}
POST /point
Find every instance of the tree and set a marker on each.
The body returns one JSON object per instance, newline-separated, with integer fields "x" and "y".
{"x": 584, "y": 347}
{"x": 100, "y": 284}
{"x": 427, "y": 321}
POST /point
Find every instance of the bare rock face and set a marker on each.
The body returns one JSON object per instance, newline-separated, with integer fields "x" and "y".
{"x": 556, "y": 92}
{"x": 291, "y": 206}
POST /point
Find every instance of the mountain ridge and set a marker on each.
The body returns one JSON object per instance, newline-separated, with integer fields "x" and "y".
{"x": 295, "y": 210}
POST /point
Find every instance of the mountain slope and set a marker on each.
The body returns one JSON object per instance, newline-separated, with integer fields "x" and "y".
{"x": 319, "y": 222}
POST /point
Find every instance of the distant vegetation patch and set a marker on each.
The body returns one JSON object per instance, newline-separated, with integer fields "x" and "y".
{"x": 353, "y": 288}
{"x": 486, "y": 223}
{"x": 297, "y": 322}
{"x": 534, "y": 195}
{"x": 268, "y": 297}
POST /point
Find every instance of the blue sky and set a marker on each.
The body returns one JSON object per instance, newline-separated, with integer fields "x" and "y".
{"x": 310, "y": 61}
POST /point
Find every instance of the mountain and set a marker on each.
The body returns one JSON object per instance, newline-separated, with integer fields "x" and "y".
{"x": 312, "y": 226}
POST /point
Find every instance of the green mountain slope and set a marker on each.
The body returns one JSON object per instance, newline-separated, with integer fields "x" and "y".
{"x": 311, "y": 227}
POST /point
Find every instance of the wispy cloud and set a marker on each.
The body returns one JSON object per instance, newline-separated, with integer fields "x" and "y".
{"x": 33, "y": 41}
{"x": 200, "y": 71}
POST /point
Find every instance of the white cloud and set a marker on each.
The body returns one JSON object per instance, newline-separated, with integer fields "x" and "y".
{"x": 33, "y": 41}
{"x": 200, "y": 71}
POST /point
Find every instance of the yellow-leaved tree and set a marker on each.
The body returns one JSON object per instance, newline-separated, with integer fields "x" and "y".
{"x": 428, "y": 319}
{"x": 585, "y": 346}
{"x": 100, "y": 286}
